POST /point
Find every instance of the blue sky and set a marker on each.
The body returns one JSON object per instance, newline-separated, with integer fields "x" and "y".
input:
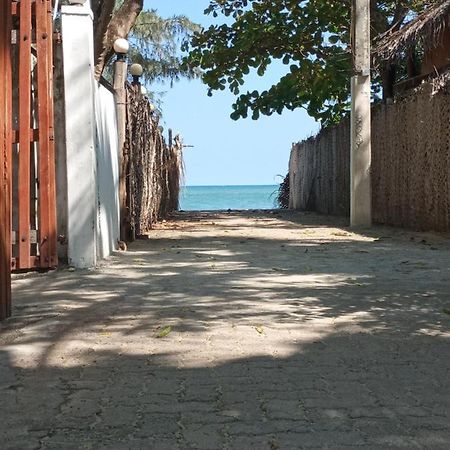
{"x": 226, "y": 152}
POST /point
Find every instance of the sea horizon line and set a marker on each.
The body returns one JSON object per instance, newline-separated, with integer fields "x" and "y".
{"x": 229, "y": 185}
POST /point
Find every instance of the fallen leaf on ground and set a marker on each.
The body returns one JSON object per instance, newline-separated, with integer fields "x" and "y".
{"x": 274, "y": 445}
{"x": 164, "y": 332}
{"x": 259, "y": 329}
{"x": 446, "y": 311}
{"x": 278, "y": 269}
{"x": 340, "y": 233}
{"x": 420, "y": 264}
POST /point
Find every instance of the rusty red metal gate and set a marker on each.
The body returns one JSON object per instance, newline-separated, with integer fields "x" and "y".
{"x": 28, "y": 224}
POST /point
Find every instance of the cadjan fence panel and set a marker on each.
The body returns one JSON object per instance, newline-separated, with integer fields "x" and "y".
{"x": 153, "y": 167}
{"x": 410, "y": 162}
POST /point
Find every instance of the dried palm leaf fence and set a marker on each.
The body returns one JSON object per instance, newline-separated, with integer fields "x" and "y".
{"x": 410, "y": 142}
{"x": 154, "y": 167}
{"x": 410, "y": 163}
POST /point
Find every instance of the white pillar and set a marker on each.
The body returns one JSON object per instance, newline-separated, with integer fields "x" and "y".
{"x": 360, "y": 163}
{"x": 77, "y": 38}
{"x": 120, "y": 78}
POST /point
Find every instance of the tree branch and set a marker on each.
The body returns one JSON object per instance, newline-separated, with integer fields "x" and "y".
{"x": 110, "y": 25}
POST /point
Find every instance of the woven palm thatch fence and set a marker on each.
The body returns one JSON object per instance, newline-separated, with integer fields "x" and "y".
{"x": 410, "y": 163}
{"x": 154, "y": 167}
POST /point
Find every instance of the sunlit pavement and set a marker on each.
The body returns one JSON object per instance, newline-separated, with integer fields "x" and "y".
{"x": 235, "y": 331}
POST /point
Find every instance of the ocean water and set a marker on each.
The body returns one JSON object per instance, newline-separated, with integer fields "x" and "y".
{"x": 198, "y": 198}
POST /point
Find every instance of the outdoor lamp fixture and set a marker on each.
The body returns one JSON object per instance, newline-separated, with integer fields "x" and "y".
{"x": 144, "y": 90}
{"x": 121, "y": 47}
{"x": 136, "y": 71}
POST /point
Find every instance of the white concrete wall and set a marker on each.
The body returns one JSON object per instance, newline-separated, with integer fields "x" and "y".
{"x": 91, "y": 201}
{"x": 79, "y": 87}
{"x": 108, "y": 210}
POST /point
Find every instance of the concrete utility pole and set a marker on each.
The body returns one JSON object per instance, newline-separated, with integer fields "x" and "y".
{"x": 120, "y": 77}
{"x": 360, "y": 160}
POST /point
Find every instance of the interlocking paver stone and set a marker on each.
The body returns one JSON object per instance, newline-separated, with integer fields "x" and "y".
{"x": 287, "y": 332}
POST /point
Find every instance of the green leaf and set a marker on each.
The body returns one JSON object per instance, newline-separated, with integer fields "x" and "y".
{"x": 334, "y": 39}
{"x": 309, "y": 37}
{"x": 164, "y": 332}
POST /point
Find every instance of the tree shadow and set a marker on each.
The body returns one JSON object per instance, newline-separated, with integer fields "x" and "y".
{"x": 295, "y": 340}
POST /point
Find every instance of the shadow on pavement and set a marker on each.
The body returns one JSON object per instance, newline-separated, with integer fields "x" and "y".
{"x": 283, "y": 336}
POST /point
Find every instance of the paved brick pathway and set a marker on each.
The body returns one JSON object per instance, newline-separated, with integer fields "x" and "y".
{"x": 285, "y": 334}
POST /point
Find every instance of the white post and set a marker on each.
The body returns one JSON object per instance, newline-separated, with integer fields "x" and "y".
{"x": 120, "y": 78}
{"x": 360, "y": 161}
{"x": 77, "y": 38}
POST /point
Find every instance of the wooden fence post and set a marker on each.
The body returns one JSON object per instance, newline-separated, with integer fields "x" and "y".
{"x": 5, "y": 159}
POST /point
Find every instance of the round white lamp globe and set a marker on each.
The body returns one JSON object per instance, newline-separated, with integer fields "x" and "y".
{"x": 136, "y": 70}
{"x": 144, "y": 90}
{"x": 121, "y": 46}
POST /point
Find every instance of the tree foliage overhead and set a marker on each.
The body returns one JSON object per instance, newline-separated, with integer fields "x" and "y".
{"x": 310, "y": 37}
{"x": 113, "y": 19}
{"x": 155, "y": 41}
{"x": 156, "y": 44}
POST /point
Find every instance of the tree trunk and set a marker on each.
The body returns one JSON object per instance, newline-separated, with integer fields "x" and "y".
{"x": 110, "y": 25}
{"x": 380, "y": 25}
{"x": 389, "y": 74}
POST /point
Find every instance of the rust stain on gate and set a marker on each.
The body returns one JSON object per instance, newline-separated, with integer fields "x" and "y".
{"x": 28, "y": 197}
